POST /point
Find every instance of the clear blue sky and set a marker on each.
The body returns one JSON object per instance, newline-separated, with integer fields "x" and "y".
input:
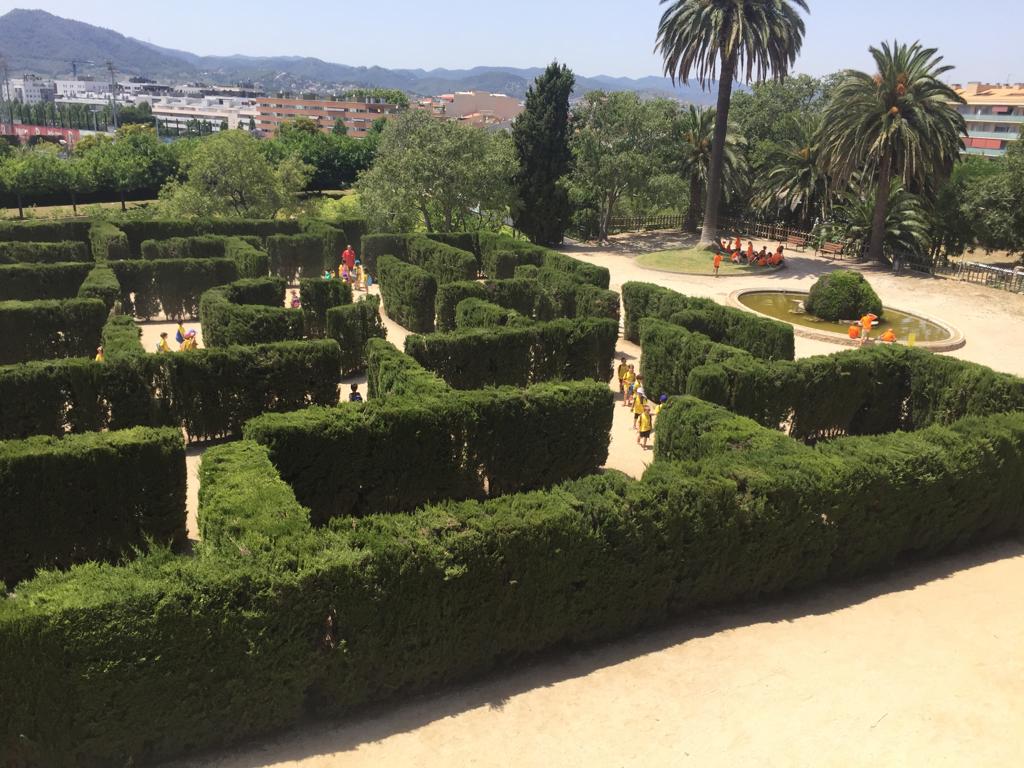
{"x": 615, "y": 37}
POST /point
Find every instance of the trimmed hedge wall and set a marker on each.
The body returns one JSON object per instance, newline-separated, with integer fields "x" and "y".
{"x": 199, "y": 247}
{"x": 767, "y": 339}
{"x": 465, "y": 445}
{"x": 138, "y": 231}
{"x": 409, "y": 293}
{"x": 372, "y": 247}
{"x": 173, "y": 287}
{"x": 101, "y": 283}
{"x": 352, "y": 326}
{"x": 32, "y": 282}
{"x": 43, "y": 253}
{"x": 88, "y": 497}
{"x": 250, "y": 260}
{"x": 392, "y": 373}
{"x": 45, "y": 231}
{"x": 107, "y": 242}
{"x": 501, "y": 255}
{"x": 208, "y": 392}
{"x": 671, "y": 353}
{"x": 122, "y": 339}
{"x": 445, "y": 263}
{"x": 318, "y": 296}
{"x": 44, "y": 330}
{"x": 476, "y": 313}
{"x": 228, "y": 318}
{"x": 567, "y": 350}
{"x": 294, "y": 256}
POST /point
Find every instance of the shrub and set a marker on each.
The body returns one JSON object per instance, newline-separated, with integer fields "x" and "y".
{"x": 107, "y": 242}
{"x": 294, "y": 256}
{"x": 101, "y": 283}
{"x": 171, "y": 286}
{"x": 450, "y": 295}
{"x": 474, "y": 313}
{"x": 444, "y": 262}
{"x": 591, "y": 301}
{"x": 352, "y": 326}
{"x": 332, "y": 241}
{"x": 501, "y": 254}
{"x": 28, "y": 282}
{"x": 43, "y": 330}
{"x": 318, "y": 296}
{"x": 199, "y": 247}
{"x": 761, "y": 337}
{"x": 228, "y": 319}
{"x": 527, "y": 271}
{"x": 43, "y": 253}
{"x": 122, "y": 339}
{"x": 843, "y": 295}
{"x": 519, "y": 356}
{"x": 459, "y": 446}
{"x": 89, "y": 497}
{"x": 250, "y": 261}
{"x": 213, "y": 392}
{"x": 408, "y": 292}
{"x": 372, "y": 247}
{"x": 580, "y": 271}
{"x": 390, "y": 372}
{"x": 53, "y": 231}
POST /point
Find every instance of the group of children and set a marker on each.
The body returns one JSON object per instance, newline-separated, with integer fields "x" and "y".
{"x": 634, "y": 397}
{"x": 351, "y": 270}
{"x": 862, "y": 330}
{"x": 751, "y": 257}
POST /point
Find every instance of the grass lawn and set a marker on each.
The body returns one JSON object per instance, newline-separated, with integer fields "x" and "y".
{"x": 691, "y": 261}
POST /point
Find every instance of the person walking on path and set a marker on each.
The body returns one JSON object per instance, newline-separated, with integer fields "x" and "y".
{"x": 644, "y": 433}
{"x": 162, "y": 345}
{"x": 353, "y": 395}
{"x": 623, "y": 370}
{"x": 718, "y": 263}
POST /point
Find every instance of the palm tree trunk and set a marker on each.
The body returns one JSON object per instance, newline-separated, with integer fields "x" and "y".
{"x": 693, "y": 209}
{"x": 881, "y": 209}
{"x": 709, "y": 234}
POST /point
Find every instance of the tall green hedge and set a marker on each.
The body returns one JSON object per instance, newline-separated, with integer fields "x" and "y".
{"x": 567, "y": 350}
{"x": 251, "y": 261}
{"x": 409, "y": 293}
{"x": 198, "y": 247}
{"x": 53, "y": 231}
{"x": 173, "y": 287}
{"x": 767, "y": 339}
{"x": 318, "y": 296}
{"x": 43, "y": 253}
{"x": 345, "y": 460}
{"x": 475, "y": 313}
{"x": 228, "y": 322}
{"x": 44, "y": 330}
{"x": 122, "y": 339}
{"x": 209, "y": 392}
{"x": 30, "y": 282}
{"x": 101, "y": 283}
{"x": 107, "y": 242}
{"x": 372, "y": 247}
{"x": 140, "y": 230}
{"x": 88, "y": 497}
{"x": 445, "y": 263}
{"x": 390, "y": 372}
{"x": 294, "y": 256}
{"x": 352, "y": 326}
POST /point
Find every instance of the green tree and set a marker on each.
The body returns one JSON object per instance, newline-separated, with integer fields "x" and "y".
{"x": 443, "y": 175}
{"x": 79, "y": 179}
{"x": 133, "y": 160}
{"x": 793, "y": 177}
{"x": 619, "y": 145}
{"x": 339, "y": 128}
{"x": 994, "y": 202}
{"x": 541, "y": 136}
{"x": 228, "y": 175}
{"x": 33, "y": 172}
{"x": 695, "y": 132}
{"x": 899, "y": 123}
{"x": 730, "y": 39}
{"x": 904, "y": 230}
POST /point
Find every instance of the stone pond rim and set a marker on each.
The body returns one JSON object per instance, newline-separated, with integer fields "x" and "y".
{"x": 955, "y": 341}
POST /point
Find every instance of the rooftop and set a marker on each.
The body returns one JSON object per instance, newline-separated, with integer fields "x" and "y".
{"x": 998, "y": 93}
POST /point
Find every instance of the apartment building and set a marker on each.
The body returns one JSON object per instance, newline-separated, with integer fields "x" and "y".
{"x": 477, "y": 108}
{"x": 994, "y": 115}
{"x": 31, "y": 89}
{"x": 357, "y": 116}
{"x": 174, "y": 113}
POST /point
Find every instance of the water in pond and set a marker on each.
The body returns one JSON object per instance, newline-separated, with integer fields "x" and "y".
{"x": 785, "y": 307}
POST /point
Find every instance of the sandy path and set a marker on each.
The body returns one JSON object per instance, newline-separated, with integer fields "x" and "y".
{"x": 923, "y": 667}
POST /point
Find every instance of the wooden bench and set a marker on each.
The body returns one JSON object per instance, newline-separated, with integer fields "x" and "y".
{"x": 833, "y": 249}
{"x": 796, "y": 241}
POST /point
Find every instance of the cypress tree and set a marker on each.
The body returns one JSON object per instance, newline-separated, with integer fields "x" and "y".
{"x": 541, "y": 135}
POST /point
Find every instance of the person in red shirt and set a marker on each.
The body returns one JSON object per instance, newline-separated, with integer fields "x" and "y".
{"x": 349, "y": 257}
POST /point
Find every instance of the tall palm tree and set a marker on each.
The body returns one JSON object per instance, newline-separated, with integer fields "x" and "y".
{"x": 730, "y": 39}
{"x": 899, "y": 122}
{"x": 696, "y": 132}
{"x": 795, "y": 177}
{"x": 904, "y": 228}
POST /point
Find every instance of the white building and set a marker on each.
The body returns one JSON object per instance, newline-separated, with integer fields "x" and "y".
{"x": 31, "y": 89}
{"x": 174, "y": 113}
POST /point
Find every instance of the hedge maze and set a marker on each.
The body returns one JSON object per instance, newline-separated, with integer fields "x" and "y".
{"x": 358, "y": 552}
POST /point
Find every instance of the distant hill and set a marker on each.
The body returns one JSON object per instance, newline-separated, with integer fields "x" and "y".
{"x": 39, "y": 42}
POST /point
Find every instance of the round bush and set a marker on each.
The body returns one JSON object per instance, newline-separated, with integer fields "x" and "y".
{"x": 843, "y": 296}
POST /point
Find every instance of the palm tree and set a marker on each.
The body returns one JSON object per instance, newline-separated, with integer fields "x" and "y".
{"x": 904, "y": 228}
{"x": 900, "y": 122}
{"x": 696, "y": 131}
{"x": 794, "y": 177}
{"x": 730, "y": 38}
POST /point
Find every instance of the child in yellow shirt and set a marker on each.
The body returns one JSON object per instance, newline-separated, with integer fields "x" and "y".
{"x": 646, "y": 425}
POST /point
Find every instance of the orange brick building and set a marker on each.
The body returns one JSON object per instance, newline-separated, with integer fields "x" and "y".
{"x": 358, "y": 116}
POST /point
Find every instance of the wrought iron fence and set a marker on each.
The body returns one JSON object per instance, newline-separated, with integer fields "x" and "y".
{"x": 984, "y": 274}
{"x": 643, "y": 223}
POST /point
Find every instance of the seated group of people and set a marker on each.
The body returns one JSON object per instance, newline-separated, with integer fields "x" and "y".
{"x": 761, "y": 258}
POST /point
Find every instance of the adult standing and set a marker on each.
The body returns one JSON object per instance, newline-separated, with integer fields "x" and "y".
{"x": 349, "y": 257}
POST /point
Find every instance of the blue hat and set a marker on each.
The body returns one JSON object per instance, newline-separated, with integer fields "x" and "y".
{"x": 663, "y": 398}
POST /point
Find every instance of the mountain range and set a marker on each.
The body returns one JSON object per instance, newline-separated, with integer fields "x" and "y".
{"x": 38, "y": 42}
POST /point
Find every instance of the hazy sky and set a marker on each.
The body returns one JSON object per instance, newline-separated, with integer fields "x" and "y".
{"x": 615, "y": 37}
